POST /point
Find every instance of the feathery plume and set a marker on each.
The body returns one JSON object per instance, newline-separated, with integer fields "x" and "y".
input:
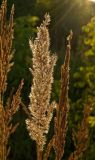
{"x": 43, "y": 65}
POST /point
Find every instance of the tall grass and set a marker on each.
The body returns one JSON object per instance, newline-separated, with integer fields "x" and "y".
{"x": 12, "y": 105}
{"x": 60, "y": 125}
{"x": 81, "y": 137}
{"x": 40, "y": 110}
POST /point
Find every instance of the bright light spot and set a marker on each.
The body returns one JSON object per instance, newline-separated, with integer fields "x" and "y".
{"x": 92, "y": 0}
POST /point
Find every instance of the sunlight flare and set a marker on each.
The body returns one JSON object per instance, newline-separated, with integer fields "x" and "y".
{"x": 92, "y": 0}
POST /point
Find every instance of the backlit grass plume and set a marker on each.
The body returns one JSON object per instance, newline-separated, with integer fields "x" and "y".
{"x": 6, "y": 111}
{"x": 43, "y": 65}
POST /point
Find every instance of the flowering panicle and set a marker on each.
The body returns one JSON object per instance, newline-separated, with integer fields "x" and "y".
{"x": 81, "y": 138}
{"x": 6, "y": 37}
{"x": 61, "y": 118}
{"x": 60, "y": 125}
{"x": 43, "y": 65}
{"x": 6, "y": 111}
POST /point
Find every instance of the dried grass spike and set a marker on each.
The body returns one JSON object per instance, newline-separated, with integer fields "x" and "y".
{"x": 43, "y": 66}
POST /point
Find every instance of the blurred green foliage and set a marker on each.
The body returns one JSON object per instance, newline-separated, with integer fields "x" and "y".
{"x": 85, "y": 77}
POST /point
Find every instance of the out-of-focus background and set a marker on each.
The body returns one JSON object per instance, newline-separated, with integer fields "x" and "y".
{"x": 78, "y": 15}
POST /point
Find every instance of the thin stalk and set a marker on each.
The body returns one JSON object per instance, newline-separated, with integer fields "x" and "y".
{"x": 39, "y": 153}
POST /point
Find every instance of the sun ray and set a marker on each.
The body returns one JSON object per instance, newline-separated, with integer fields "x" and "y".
{"x": 62, "y": 17}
